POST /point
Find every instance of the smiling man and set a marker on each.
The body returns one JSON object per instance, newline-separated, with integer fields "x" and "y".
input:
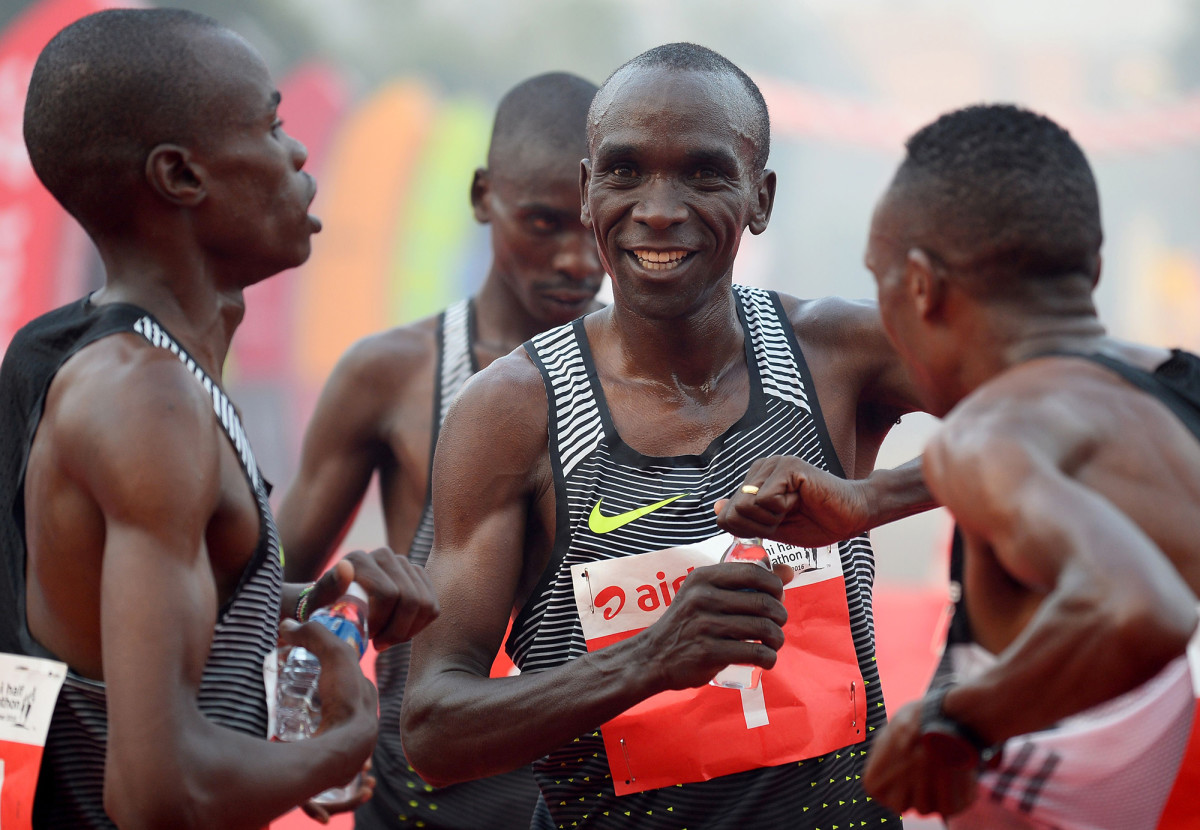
{"x": 615, "y": 436}
{"x": 382, "y": 409}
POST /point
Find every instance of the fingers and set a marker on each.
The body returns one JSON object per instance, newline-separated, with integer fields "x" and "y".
{"x": 402, "y": 598}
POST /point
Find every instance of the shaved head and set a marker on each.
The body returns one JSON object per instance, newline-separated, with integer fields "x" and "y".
{"x": 690, "y": 57}
{"x": 547, "y": 113}
{"x": 1000, "y": 188}
{"x": 105, "y": 91}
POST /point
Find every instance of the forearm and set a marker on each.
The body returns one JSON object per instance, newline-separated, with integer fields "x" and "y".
{"x": 215, "y": 777}
{"x": 1117, "y": 613}
{"x": 458, "y": 725}
{"x": 898, "y": 493}
{"x": 1070, "y": 658}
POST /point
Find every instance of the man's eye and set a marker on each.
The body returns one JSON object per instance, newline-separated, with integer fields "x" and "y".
{"x": 706, "y": 173}
{"x": 542, "y": 224}
{"x": 624, "y": 171}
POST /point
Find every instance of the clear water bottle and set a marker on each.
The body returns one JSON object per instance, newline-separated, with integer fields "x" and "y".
{"x": 297, "y": 704}
{"x": 738, "y": 676}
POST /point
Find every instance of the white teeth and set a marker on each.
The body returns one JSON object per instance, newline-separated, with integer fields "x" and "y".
{"x": 660, "y": 260}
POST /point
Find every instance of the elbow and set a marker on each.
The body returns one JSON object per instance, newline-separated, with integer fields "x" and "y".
{"x": 139, "y": 801}
{"x": 425, "y": 745}
{"x": 1154, "y": 633}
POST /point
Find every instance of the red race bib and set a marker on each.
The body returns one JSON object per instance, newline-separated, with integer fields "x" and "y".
{"x": 811, "y": 703}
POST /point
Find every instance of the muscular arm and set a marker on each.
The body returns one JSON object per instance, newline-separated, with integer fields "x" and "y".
{"x": 1112, "y": 611}
{"x": 141, "y": 440}
{"x": 342, "y": 448}
{"x": 862, "y": 388}
{"x": 458, "y": 723}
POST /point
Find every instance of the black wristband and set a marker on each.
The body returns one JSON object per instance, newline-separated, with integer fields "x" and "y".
{"x": 957, "y": 744}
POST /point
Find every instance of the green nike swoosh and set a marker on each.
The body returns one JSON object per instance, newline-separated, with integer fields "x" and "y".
{"x": 599, "y": 523}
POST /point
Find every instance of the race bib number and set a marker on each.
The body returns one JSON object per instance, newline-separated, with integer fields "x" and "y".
{"x": 29, "y": 688}
{"x": 810, "y": 703}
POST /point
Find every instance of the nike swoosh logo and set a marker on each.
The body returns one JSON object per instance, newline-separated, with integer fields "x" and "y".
{"x": 599, "y": 523}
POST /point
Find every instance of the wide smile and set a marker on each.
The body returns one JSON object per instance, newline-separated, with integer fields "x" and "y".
{"x": 660, "y": 260}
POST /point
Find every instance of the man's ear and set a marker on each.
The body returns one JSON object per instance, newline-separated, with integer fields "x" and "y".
{"x": 585, "y": 178}
{"x": 925, "y": 283}
{"x": 481, "y": 188}
{"x": 175, "y": 175}
{"x": 766, "y": 201}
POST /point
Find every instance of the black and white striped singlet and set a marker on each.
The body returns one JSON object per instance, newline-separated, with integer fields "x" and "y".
{"x": 502, "y": 802}
{"x": 591, "y": 462}
{"x": 71, "y": 784}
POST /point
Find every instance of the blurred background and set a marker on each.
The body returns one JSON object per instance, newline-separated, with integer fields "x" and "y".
{"x": 394, "y": 100}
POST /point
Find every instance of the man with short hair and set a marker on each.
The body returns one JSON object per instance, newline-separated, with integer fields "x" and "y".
{"x": 138, "y": 544}
{"x": 383, "y": 406}
{"x": 1071, "y": 463}
{"x": 615, "y": 436}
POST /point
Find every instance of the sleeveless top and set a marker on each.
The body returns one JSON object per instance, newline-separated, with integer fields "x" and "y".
{"x": 591, "y": 462}
{"x": 71, "y": 785}
{"x": 1113, "y": 765}
{"x": 401, "y": 798}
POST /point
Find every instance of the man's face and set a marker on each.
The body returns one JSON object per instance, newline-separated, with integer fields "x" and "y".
{"x": 544, "y": 255}
{"x": 671, "y": 185}
{"x": 886, "y": 257}
{"x": 255, "y": 212}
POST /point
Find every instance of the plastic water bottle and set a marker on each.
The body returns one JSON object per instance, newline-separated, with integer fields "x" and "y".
{"x": 738, "y": 676}
{"x": 298, "y": 705}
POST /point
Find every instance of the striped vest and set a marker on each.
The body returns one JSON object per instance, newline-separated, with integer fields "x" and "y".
{"x": 71, "y": 784}
{"x": 591, "y": 462}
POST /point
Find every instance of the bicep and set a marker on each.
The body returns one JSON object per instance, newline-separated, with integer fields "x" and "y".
{"x": 484, "y": 490}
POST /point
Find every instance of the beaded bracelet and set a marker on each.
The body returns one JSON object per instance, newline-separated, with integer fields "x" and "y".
{"x": 302, "y": 601}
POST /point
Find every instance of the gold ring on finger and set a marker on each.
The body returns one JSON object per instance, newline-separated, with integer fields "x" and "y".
{"x": 750, "y": 489}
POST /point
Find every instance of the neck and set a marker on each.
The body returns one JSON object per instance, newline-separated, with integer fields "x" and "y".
{"x": 1008, "y": 337}
{"x": 691, "y": 353}
{"x": 501, "y": 322}
{"x": 182, "y": 294}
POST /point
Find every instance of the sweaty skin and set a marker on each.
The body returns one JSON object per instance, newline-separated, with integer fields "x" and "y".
{"x": 666, "y": 178}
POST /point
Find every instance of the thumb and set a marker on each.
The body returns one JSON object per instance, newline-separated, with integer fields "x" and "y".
{"x": 784, "y": 572}
{"x": 332, "y": 584}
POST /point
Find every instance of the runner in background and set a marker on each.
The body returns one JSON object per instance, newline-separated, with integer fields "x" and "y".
{"x": 382, "y": 408}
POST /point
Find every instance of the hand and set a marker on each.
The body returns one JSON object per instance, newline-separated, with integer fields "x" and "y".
{"x": 902, "y": 774}
{"x": 723, "y": 614}
{"x": 796, "y": 503}
{"x": 322, "y": 810}
{"x": 348, "y": 699}
{"x": 402, "y": 600}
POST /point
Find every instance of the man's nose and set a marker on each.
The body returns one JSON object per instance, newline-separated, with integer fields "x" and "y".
{"x": 577, "y": 256}
{"x": 660, "y": 205}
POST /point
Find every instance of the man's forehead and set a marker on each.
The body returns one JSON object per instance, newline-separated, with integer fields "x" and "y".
{"x": 645, "y": 94}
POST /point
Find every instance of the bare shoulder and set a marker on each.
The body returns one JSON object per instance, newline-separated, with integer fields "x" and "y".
{"x": 850, "y": 356}
{"x": 1042, "y": 413}
{"x": 510, "y": 390}
{"x": 835, "y": 321}
{"x": 500, "y": 415}
{"x": 122, "y": 414}
{"x": 389, "y": 358}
